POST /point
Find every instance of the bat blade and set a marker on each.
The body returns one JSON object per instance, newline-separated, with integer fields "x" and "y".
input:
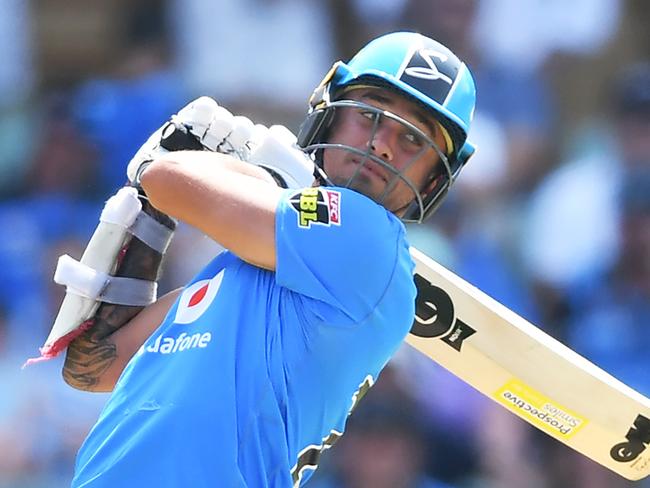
{"x": 528, "y": 372}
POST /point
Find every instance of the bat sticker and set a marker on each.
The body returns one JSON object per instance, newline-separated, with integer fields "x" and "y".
{"x": 638, "y": 438}
{"x": 434, "y": 315}
{"x": 538, "y": 409}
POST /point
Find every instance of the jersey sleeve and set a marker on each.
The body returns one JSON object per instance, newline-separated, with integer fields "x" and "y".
{"x": 337, "y": 246}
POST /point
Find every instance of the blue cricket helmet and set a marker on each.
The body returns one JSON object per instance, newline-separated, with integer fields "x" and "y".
{"x": 423, "y": 69}
{"x": 417, "y": 67}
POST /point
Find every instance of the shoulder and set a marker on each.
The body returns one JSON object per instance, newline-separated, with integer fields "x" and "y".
{"x": 340, "y": 247}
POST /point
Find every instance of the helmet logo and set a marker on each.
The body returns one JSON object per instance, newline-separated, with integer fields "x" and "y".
{"x": 431, "y": 72}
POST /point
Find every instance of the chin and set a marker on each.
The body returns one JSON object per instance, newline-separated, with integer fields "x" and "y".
{"x": 370, "y": 191}
{"x": 362, "y": 183}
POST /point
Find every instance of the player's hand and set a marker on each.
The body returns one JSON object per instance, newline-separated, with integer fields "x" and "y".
{"x": 200, "y": 125}
{"x": 204, "y": 125}
{"x": 215, "y": 128}
{"x": 272, "y": 147}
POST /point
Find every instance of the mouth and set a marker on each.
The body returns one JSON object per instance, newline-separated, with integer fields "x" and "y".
{"x": 372, "y": 168}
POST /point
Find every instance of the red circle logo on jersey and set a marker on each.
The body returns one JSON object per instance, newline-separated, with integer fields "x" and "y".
{"x": 196, "y": 299}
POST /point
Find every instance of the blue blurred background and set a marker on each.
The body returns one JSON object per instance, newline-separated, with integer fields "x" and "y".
{"x": 552, "y": 216}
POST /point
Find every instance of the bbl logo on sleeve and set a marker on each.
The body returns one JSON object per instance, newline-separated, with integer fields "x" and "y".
{"x": 317, "y": 206}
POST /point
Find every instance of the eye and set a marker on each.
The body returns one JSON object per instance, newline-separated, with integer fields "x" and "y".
{"x": 413, "y": 139}
{"x": 368, "y": 114}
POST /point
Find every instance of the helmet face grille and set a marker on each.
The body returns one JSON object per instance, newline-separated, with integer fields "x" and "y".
{"x": 455, "y": 132}
{"x": 421, "y": 68}
{"x": 423, "y": 201}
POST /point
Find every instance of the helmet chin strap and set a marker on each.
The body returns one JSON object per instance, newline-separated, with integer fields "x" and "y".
{"x": 321, "y": 176}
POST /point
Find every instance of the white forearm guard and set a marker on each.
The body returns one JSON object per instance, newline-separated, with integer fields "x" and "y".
{"x": 92, "y": 281}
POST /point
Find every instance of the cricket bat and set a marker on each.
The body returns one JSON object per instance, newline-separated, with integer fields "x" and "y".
{"x": 528, "y": 372}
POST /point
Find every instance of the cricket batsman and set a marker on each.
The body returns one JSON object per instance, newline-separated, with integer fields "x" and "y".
{"x": 243, "y": 377}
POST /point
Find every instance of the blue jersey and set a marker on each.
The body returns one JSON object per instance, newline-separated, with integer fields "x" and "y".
{"x": 253, "y": 373}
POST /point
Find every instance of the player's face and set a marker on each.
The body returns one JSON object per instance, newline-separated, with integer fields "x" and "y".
{"x": 394, "y": 143}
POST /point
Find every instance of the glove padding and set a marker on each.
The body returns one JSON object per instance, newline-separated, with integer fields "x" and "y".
{"x": 204, "y": 125}
{"x": 200, "y": 125}
{"x": 216, "y": 128}
{"x": 275, "y": 150}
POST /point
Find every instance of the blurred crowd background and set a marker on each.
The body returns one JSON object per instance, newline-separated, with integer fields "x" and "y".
{"x": 551, "y": 217}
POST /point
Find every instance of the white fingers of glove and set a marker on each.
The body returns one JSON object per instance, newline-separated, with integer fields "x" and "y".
{"x": 215, "y": 127}
{"x": 220, "y": 126}
{"x": 277, "y": 150}
{"x": 205, "y": 119}
{"x": 209, "y": 122}
{"x": 197, "y": 116}
{"x": 147, "y": 152}
{"x": 239, "y": 139}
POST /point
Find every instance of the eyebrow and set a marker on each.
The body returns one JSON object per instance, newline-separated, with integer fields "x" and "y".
{"x": 417, "y": 114}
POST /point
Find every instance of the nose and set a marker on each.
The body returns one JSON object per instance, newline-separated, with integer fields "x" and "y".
{"x": 381, "y": 146}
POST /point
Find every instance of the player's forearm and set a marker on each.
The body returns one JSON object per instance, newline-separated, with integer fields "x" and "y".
{"x": 91, "y": 355}
{"x": 95, "y": 353}
{"x": 96, "y": 359}
{"x": 230, "y": 201}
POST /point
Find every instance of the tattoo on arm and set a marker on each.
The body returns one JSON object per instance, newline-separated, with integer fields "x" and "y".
{"x": 86, "y": 361}
{"x": 91, "y": 354}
